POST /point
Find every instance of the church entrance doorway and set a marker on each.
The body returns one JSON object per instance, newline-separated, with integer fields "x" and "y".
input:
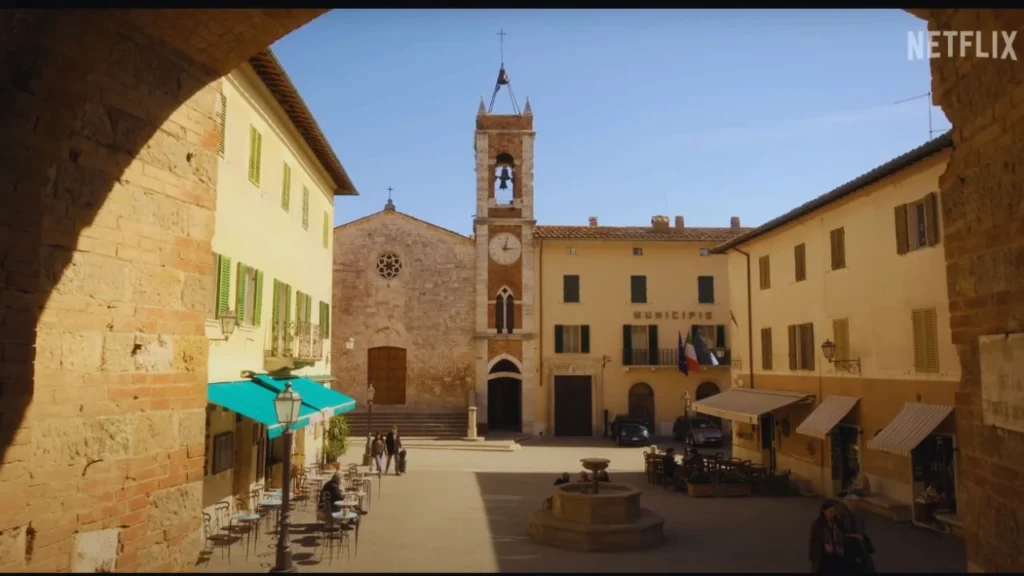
{"x": 505, "y": 397}
{"x": 385, "y": 370}
{"x": 573, "y": 406}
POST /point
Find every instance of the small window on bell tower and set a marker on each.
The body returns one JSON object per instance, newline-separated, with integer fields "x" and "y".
{"x": 504, "y": 180}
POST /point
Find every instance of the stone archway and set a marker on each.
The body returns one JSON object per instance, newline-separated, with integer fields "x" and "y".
{"x": 641, "y": 404}
{"x": 107, "y": 176}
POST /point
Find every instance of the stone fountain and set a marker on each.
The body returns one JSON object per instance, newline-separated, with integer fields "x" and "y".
{"x": 597, "y": 517}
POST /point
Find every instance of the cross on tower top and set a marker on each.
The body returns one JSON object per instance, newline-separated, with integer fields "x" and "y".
{"x": 501, "y": 44}
{"x": 390, "y": 205}
{"x": 503, "y": 79}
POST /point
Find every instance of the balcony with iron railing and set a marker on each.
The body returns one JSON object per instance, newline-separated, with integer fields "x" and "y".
{"x": 670, "y": 357}
{"x": 294, "y": 345}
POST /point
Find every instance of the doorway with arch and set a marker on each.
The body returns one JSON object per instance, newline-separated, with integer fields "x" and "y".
{"x": 641, "y": 404}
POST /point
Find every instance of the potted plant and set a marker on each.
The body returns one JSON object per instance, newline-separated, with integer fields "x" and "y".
{"x": 699, "y": 485}
{"x": 335, "y": 441}
{"x": 735, "y": 484}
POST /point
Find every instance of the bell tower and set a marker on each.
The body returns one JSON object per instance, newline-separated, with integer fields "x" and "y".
{"x": 507, "y": 372}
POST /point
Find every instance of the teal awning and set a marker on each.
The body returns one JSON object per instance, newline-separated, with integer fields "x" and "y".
{"x": 255, "y": 400}
{"x": 318, "y": 396}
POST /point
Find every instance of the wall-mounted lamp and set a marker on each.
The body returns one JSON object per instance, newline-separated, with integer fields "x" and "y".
{"x": 828, "y": 348}
{"x": 228, "y": 321}
{"x": 350, "y": 343}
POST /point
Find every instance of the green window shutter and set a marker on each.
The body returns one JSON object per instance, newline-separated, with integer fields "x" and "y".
{"x": 559, "y": 339}
{"x": 327, "y": 320}
{"x": 286, "y": 188}
{"x": 305, "y": 208}
{"x": 287, "y": 318}
{"x": 275, "y": 314}
{"x": 585, "y": 339}
{"x": 258, "y": 308}
{"x": 253, "y": 134}
{"x": 243, "y": 272}
{"x": 223, "y": 286}
{"x": 223, "y": 118}
{"x": 309, "y": 309}
{"x": 327, "y": 226}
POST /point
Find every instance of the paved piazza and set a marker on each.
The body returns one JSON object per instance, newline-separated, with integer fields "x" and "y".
{"x": 468, "y": 511}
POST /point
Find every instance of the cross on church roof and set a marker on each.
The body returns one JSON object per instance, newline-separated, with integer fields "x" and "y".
{"x": 503, "y": 79}
{"x": 390, "y": 205}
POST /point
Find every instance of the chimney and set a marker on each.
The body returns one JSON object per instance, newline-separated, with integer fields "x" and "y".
{"x": 679, "y": 222}
{"x": 593, "y": 220}
{"x": 734, "y": 222}
{"x": 659, "y": 223}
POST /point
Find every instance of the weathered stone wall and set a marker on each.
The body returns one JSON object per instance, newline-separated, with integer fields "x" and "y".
{"x": 107, "y": 176}
{"x": 427, "y": 308}
{"x": 983, "y": 213}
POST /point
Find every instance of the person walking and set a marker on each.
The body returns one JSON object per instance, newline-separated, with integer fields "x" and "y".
{"x": 377, "y": 449}
{"x": 861, "y": 547}
{"x": 392, "y": 445}
{"x": 828, "y": 542}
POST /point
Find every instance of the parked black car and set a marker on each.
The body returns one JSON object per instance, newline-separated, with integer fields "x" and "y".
{"x": 704, "y": 430}
{"x": 632, "y": 434}
{"x": 623, "y": 419}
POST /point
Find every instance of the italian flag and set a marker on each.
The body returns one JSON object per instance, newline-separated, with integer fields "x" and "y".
{"x": 690, "y": 355}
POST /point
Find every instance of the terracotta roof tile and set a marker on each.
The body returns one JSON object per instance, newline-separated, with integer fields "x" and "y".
{"x": 276, "y": 80}
{"x": 638, "y": 233}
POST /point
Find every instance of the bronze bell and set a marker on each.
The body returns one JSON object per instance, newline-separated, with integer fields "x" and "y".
{"x": 504, "y": 178}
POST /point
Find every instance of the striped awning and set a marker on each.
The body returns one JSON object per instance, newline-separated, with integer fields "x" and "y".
{"x": 912, "y": 425}
{"x": 747, "y": 405}
{"x": 825, "y": 417}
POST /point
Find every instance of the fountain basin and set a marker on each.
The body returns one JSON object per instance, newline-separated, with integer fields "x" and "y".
{"x": 609, "y": 521}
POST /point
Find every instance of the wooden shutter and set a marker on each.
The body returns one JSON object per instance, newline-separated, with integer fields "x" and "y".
{"x": 223, "y": 286}
{"x": 706, "y": 289}
{"x": 764, "y": 264}
{"x": 559, "y": 339}
{"x": 275, "y": 314}
{"x": 920, "y": 347}
{"x": 243, "y": 273}
{"x": 627, "y": 345}
{"x": 287, "y": 319}
{"x": 327, "y": 226}
{"x": 258, "y": 304}
{"x": 792, "y": 347}
{"x": 807, "y": 346}
{"x": 255, "y": 154}
{"x": 585, "y": 339}
{"x": 841, "y": 337}
{"x": 720, "y": 336}
{"x": 309, "y": 309}
{"x": 800, "y": 261}
{"x": 766, "y": 348}
{"x": 305, "y": 208}
{"x": 223, "y": 119}
{"x": 570, "y": 288}
{"x": 499, "y": 313}
{"x": 931, "y": 210}
{"x": 638, "y": 289}
{"x": 837, "y": 239}
{"x": 931, "y": 340}
{"x": 652, "y": 344}
{"x": 902, "y": 239}
{"x": 286, "y": 188}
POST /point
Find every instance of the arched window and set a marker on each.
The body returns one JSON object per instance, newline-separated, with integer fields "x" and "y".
{"x": 510, "y": 313}
{"x": 504, "y": 179}
{"x": 504, "y": 311}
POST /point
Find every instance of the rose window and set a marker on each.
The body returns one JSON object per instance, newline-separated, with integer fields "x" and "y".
{"x": 389, "y": 265}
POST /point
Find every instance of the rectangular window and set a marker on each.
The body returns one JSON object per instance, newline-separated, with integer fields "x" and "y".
{"x": 801, "y": 346}
{"x": 223, "y": 272}
{"x": 255, "y": 155}
{"x": 638, "y": 251}
{"x": 917, "y": 224}
{"x": 305, "y": 208}
{"x": 249, "y": 292}
{"x": 572, "y": 339}
{"x": 841, "y": 338}
{"x": 640, "y": 345}
{"x": 706, "y": 289}
{"x": 638, "y": 289}
{"x": 837, "y": 239}
{"x": 251, "y": 289}
{"x": 926, "y": 341}
{"x": 222, "y": 117}
{"x": 327, "y": 228}
{"x": 570, "y": 251}
{"x": 765, "y": 272}
{"x": 800, "y": 262}
{"x": 325, "y": 319}
{"x": 286, "y": 188}
{"x": 281, "y": 319}
{"x": 223, "y": 453}
{"x": 766, "y": 348}
{"x": 571, "y": 288}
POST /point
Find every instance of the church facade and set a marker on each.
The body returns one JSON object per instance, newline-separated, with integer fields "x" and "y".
{"x": 437, "y": 322}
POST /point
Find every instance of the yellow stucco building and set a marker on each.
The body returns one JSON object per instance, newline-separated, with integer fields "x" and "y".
{"x": 269, "y": 315}
{"x": 612, "y": 304}
{"x": 846, "y": 361}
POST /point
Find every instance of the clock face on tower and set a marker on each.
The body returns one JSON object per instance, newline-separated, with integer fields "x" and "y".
{"x": 505, "y": 248}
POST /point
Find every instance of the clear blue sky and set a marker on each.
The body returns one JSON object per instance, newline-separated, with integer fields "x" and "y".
{"x": 707, "y": 114}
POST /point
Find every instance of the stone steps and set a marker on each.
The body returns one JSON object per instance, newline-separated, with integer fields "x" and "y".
{"x": 414, "y": 424}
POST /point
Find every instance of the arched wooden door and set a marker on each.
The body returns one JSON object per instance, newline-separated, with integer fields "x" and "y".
{"x": 641, "y": 404}
{"x": 385, "y": 370}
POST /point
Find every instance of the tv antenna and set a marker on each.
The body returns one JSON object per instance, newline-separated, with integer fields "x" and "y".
{"x": 931, "y": 131}
{"x": 503, "y": 79}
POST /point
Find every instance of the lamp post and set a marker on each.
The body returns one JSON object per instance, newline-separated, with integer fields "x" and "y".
{"x": 828, "y": 349}
{"x": 228, "y": 321}
{"x": 686, "y": 415}
{"x": 368, "y": 456}
{"x": 287, "y": 406}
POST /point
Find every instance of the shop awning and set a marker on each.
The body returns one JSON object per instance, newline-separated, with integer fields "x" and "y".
{"x": 826, "y": 416}
{"x": 255, "y": 400}
{"x": 912, "y": 425}
{"x": 325, "y": 401}
{"x": 746, "y": 405}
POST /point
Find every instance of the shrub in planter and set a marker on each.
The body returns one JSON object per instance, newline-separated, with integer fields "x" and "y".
{"x": 700, "y": 486}
{"x": 335, "y": 440}
{"x": 734, "y": 477}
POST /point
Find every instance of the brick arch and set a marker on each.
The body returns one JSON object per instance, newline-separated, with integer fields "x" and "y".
{"x": 107, "y": 177}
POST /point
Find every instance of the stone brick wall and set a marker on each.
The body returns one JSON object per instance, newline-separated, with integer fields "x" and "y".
{"x": 107, "y": 176}
{"x": 983, "y": 213}
{"x": 428, "y": 309}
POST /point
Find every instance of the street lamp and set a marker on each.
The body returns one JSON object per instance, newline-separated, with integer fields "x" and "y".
{"x": 287, "y": 406}
{"x": 228, "y": 321}
{"x": 370, "y": 391}
{"x": 686, "y": 415}
{"x": 828, "y": 349}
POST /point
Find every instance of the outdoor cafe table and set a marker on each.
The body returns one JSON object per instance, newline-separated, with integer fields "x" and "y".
{"x": 249, "y": 519}
{"x": 274, "y": 503}
{"x": 348, "y": 517}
